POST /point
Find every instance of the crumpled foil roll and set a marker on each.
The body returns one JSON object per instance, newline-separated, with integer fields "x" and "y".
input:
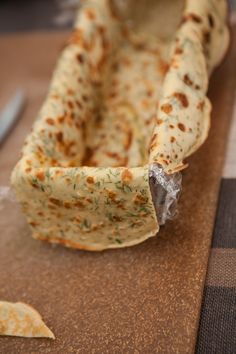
{"x": 165, "y": 191}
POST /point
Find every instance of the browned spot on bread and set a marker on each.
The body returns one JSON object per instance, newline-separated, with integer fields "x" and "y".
{"x": 140, "y": 199}
{"x": 163, "y": 67}
{"x": 207, "y": 37}
{"x": 79, "y": 104}
{"x": 87, "y": 156}
{"x": 112, "y": 9}
{"x": 80, "y": 58}
{"x": 59, "y": 137}
{"x": 127, "y": 87}
{"x": 54, "y": 162}
{"x": 114, "y": 82}
{"x": 115, "y": 67}
{"x": 117, "y": 218}
{"x": 124, "y": 161}
{"x": 101, "y": 29}
{"x": 58, "y": 173}
{"x": 85, "y": 98}
{"x": 90, "y": 180}
{"x": 167, "y": 108}
{"x": 140, "y": 46}
{"x": 40, "y": 149}
{"x": 171, "y": 126}
{"x": 159, "y": 121}
{"x": 151, "y": 120}
{"x": 145, "y": 103}
{"x": 201, "y": 105}
{"x": 192, "y": 17}
{"x": 79, "y": 204}
{"x": 67, "y": 205}
{"x": 172, "y": 139}
{"x": 50, "y": 121}
{"x": 40, "y": 175}
{"x": 182, "y": 98}
{"x": 72, "y": 163}
{"x": 90, "y": 13}
{"x": 211, "y": 20}
{"x": 89, "y": 45}
{"x": 32, "y": 223}
{"x": 67, "y": 149}
{"x": 153, "y": 138}
{"x": 61, "y": 119}
{"x": 70, "y": 92}
{"x": 113, "y": 155}
{"x": 153, "y": 143}
{"x": 112, "y": 195}
{"x": 70, "y": 104}
{"x": 34, "y": 185}
{"x": 150, "y": 92}
{"x": 129, "y": 138}
{"x": 76, "y": 37}
{"x": 182, "y": 127}
{"x": 55, "y": 201}
{"x": 187, "y": 80}
{"x": 126, "y": 176}
{"x": 113, "y": 94}
{"x": 126, "y": 61}
{"x": 55, "y": 97}
{"x": 120, "y": 206}
{"x": 178, "y": 50}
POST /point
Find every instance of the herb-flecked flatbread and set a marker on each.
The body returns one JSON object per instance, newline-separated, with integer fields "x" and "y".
{"x": 129, "y": 91}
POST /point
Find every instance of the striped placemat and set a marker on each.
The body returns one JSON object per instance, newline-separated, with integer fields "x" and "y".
{"x": 217, "y": 327}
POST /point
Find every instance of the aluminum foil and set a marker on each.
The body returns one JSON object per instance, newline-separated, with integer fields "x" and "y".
{"x": 165, "y": 191}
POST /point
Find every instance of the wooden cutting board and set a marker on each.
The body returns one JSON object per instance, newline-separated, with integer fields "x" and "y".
{"x": 144, "y": 299}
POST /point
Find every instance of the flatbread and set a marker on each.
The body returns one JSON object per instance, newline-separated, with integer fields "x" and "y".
{"x": 21, "y": 320}
{"x": 184, "y": 110}
{"x": 124, "y": 96}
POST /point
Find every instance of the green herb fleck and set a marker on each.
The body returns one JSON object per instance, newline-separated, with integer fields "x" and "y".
{"x": 86, "y": 223}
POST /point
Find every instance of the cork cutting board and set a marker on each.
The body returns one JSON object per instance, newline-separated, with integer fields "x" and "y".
{"x": 144, "y": 299}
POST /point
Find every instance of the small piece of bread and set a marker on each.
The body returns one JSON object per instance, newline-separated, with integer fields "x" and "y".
{"x": 21, "y": 320}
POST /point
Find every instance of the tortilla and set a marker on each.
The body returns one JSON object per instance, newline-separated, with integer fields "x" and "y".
{"x": 125, "y": 95}
{"x": 21, "y": 320}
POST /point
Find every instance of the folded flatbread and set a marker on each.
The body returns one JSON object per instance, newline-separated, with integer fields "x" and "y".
{"x": 129, "y": 91}
{"x": 21, "y": 320}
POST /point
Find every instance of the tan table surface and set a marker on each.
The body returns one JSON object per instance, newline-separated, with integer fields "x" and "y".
{"x": 144, "y": 299}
